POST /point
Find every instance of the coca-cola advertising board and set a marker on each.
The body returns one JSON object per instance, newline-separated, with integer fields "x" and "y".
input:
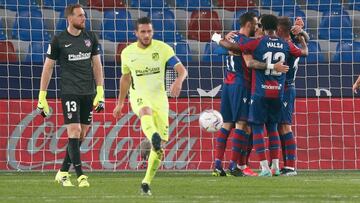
{"x": 326, "y": 135}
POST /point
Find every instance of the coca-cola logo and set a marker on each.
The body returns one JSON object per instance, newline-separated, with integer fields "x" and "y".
{"x": 38, "y": 144}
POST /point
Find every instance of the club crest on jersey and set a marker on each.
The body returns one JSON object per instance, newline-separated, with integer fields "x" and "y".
{"x": 87, "y": 42}
{"x": 69, "y": 115}
{"x": 155, "y": 56}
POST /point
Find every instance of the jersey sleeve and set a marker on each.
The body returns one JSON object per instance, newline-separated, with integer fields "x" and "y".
{"x": 124, "y": 63}
{"x": 96, "y": 47}
{"x": 53, "y": 50}
{"x": 294, "y": 50}
{"x": 170, "y": 57}
{"x": 249, "y": 47}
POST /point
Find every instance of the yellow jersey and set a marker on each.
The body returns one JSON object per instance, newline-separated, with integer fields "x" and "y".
{"x": 147, "y": 68}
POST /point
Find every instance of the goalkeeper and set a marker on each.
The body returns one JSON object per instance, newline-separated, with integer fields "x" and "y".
{"x": 143, "y": 71}
{"x": 76, "y": 51}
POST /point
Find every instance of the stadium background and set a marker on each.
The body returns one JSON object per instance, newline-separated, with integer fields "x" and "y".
{"x": 327, "y": 113}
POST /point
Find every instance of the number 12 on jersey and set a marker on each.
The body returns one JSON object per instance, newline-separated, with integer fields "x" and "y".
{"x": 268, "y": 56}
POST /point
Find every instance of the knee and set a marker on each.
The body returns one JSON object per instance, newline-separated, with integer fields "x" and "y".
{"x": 228, "y": 126}
{"x": 284, "y": 129}
{"x": 241, "y": 125}
{"x": 74, "y": 130}
{"x": 145, "y": 111}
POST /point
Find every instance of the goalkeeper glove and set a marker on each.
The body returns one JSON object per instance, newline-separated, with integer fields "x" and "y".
{"x": 99, "y": 103}
{"x": 43, "y": 106}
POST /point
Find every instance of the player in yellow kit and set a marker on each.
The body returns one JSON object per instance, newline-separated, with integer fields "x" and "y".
{"x": 143, "y": 75}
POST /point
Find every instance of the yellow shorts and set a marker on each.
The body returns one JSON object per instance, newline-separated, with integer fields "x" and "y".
{"x": 160, "y": 110}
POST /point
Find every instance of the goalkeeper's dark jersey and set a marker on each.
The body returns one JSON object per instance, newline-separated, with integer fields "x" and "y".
{"x": 73, "y": 54}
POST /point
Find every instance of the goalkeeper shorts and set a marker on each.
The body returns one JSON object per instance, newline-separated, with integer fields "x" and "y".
{"x": 77, "y": 108}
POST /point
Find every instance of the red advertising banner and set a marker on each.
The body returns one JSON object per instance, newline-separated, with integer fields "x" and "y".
{"x": 327, "y": 132}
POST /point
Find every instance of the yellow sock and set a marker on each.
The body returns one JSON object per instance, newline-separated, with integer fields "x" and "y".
{"x": 153, "y": 165}
{"x": 148, "y": 126}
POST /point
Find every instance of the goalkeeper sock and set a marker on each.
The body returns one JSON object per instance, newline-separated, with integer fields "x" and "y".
{"x": 290, "y": 149}
{"x": 239, "y": 145}
{"x": 148, "y": 125}
{"x": 74, "y": 153}
{"x": 259, "y": 143}
{"x": 153, "y": 165}
{"x": 274, "y": 140}
{"x": 67, "y": 161}
{"x": 221, "y": 140}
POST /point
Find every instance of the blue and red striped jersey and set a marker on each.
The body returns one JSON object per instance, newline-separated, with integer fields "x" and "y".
{"x": 236, "y": 70}
{"x": 269, "y": 49}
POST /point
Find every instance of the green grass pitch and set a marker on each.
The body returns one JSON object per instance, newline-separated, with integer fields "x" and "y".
{"x": 315, "y": 186}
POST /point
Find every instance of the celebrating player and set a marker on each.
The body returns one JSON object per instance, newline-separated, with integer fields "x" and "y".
{"x": 143, "y": 71}
{"x": 267, "y": 89}
{"x": 234, "y": 103}
{"x": 238, "y": 106}
{"x": 77, "y": 53}
{"x": 288, "y": 142}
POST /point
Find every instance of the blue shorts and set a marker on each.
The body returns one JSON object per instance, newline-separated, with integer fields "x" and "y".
{"x": 264, "y": 110}
{"x": 287, "y": 107}
{"x": 234, "y": 103}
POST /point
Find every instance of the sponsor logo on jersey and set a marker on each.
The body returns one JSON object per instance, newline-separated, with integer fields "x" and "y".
{"x": 67, "y": 45}
{"x": 87, "y": 42}
{"x": 271, "y": 87}
{"x": 147, "y": 71}
{"x": 155, "y": 56}
{"x": 79, "y": 57}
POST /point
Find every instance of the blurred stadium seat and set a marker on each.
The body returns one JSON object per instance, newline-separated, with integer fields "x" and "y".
{"x": 315, "y": 54}
{"x": 164, "y": 24}
{"x": 191, "y": 5}
{"x": 7, "y": 52}
{"x": 36, "y": 52}
{"x": 202, "y": 24}
{"x": 347, "y": 52}
{"x": 29, "y": 26}
{"x": 2, "y": 31}
{"x": 182, "y": 51}
{"x": 17, "y": 5}
{"x": 58, "y": 5}
{"x": 233, "y": 5}
{"x": 276, "y": 5}
{"x": 148, "y": 4}
{"x": 118, "y": 26}
{"x": 323, "y": 5}
{"x": 293, "y": 12}
{"x": 335, "y": 25}
{"x": 211, "y": 54}
{"x": 106, "y": 4}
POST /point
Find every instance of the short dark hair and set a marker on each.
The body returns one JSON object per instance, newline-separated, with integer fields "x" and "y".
{"x": 70, "y": 9}
{"x": 246, "y": 17}
{"x": 285, "y": 23}
{"x": 143, "y": 20}
{"x": 269, "y": 22}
